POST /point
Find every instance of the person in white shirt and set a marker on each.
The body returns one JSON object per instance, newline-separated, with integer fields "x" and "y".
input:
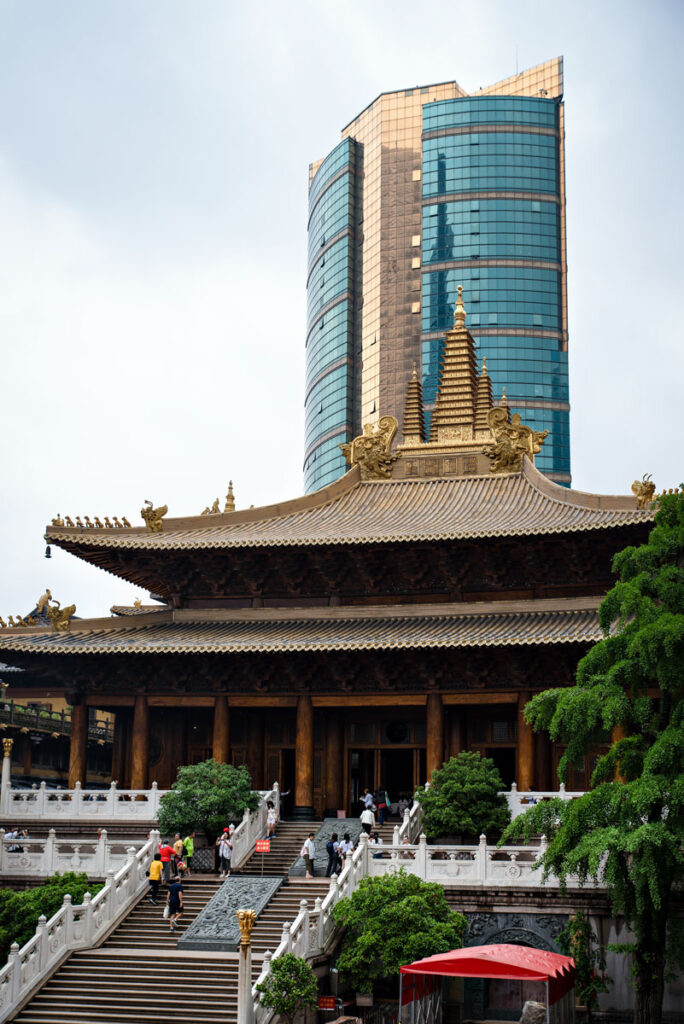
{"x": 367, "y": 799}
{"x": 377, "y": 842}
{"x": 345, "y": 847}
{"x": 308, "y": 852}
{"x": 271, "y": 820}
{"x": 367, "y": 820}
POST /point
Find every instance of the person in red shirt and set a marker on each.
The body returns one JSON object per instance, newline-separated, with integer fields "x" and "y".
{"x": 168, "y": 854}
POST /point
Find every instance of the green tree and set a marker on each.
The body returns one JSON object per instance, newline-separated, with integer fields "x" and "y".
{"x": 579, "y": 941}
{"x": 290, "y": 987}
{"x": 19, "y": 911}
{"x": 627, "y": 832}
{"x": 206, "y": 797}
{"x": 463, "y": 799}
{"x": 391, "y": 921}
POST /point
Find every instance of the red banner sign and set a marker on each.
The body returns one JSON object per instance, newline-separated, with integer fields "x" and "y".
{"x": 263, "y": 846}
{"x": 326, "y": 1002}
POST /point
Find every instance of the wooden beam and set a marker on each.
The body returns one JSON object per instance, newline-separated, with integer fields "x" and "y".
{"x": 351, "y": 700}
{"x": 480, "y": 697}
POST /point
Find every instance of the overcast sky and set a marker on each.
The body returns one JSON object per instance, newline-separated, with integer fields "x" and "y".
{"x": 153, "y": 178}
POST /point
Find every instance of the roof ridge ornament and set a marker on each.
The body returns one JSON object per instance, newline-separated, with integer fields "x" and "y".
{"x": 643, "y": 490}
{"x": 230, "y": 499}
{"x": 371, "y": 450}
{"x": 512, "y": 440}
{"x": 153, "y": 516}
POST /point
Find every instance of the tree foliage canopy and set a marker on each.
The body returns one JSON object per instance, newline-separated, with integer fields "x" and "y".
{"x": 290, "y": 987}
{"x": 463, "y": 798}
{"x": 19, "y": 911}
{"x": 391, "y": 921}
{"x": 206, "y": 796}
{"x": 628, "y": 830}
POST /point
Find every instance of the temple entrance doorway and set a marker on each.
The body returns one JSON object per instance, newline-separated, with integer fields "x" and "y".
{"x": 397, "y": 770}
{"x": 504, "y": 759}
{"x": 362, "y": 775}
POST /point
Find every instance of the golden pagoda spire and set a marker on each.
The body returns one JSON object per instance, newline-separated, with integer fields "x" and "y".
{"x": 454, "y": 413}
{"x": 414, "y": 422}
{"x": 484, "y": 399}
{"x": 230, "y": 499}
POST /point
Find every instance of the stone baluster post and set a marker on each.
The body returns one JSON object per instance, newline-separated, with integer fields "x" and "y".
{"x": 15, "y": 973}
{"x": 421, "y": 861}
{"x": 306, "y": 924}
{"x": 276, "y": 804}
{"x": 481, "y": 858}
{"x": 101, "y": 864}
{"x": 6, "y": 783}
{"x": 76, "y": 800}
{"x": 245, "y": 1007}
{"x": 41, "y": 801}
{"x": 43, "y": 950}
{"x": 395, "y": 841}
{"x": 286, "y": 937}
{"x": 154, "y": 799}
{"x": 111, "y": 896}
{"x": 87, "y": 925}
{"x": 3, "y": 866}
{"x": 111, "y": 800}
{"x": 68, "y": 920}
{"x": 318, "y": 909}
{"x": 49, "y": 853}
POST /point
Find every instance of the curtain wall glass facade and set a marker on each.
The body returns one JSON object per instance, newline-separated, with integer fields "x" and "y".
{"x": 492, "y": 223}
{"x": 328, "y": 396}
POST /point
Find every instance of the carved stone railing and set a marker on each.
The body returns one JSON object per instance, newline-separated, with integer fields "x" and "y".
{"x": 39, "y": 719}
{"x": 253, "y": 826}
{"x": 481, "y": 865}
{"x": 40, "y": 858}
{"x": 73, "y": 928}
{"x": 78, "y": 804}
{"x": 518, "y": 801}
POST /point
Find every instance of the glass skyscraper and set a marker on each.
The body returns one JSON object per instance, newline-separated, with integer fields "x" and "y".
{"x": 431, "y": 188}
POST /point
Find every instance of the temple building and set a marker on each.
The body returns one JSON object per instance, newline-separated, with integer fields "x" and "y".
{"x": 356, "y": 636}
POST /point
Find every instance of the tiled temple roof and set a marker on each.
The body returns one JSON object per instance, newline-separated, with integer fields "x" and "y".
{"x": 560, "y": 621}
{"x": 386, "y": 511}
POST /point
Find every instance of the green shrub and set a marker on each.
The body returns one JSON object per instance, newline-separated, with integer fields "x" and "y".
{"x": 290, "y": 988}
{"x": 391, "y": 921}
{"x": 463, "y": 799}
{"x": 19, "y": 911}
{"x": 205, "y": 797}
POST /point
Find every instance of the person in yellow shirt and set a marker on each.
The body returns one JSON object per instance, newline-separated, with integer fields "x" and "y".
{"x": 154, "y": 877}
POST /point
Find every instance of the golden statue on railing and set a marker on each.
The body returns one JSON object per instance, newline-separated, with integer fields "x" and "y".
{"x": 246, "y": 920}
{"x": 153, "y": 516}
{"x": 512, "y": 440}
{"x": 371, "y": 450}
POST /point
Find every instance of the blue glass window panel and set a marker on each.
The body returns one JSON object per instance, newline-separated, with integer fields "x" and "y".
{"x": 519, "y": 110}
{"x": 498, "y": 229}
{"x": 502, "y": 161}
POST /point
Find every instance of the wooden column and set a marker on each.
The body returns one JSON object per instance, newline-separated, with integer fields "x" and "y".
{"x": 141, "y": 743}
{"x": 78, "y": 750}
{"x": 457, "y": 741}
{"x": 435, "y": 734}
{"x": 544, "y": 780}
{"x": 524, "y": 775}
{"x": 334, "y": 767}
{"x": 304, "y": 758}
{"x": 255, "y": 749}
{"x": 220, "y": 749}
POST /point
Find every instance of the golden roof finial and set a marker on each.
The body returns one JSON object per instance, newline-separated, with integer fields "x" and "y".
{"x": 459, "y": 312}
{"x": 504, "y": 400}
{"x": 415, "y": 371}
{"x": 484, "y": 366}
{"x": 230, "y": 499}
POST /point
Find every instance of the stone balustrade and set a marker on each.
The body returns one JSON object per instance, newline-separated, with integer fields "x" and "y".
{"x": 73, "y": 928}
{"x": 40, "y": 858}
{"x": 253, "y": 826}
{"x": 87, "y": 805}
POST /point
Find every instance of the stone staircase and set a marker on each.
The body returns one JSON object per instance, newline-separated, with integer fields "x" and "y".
{"x": 104, "y": 986}
{"x": 145, "y": 927}
{"x": 284, "y": 907}
{"x": 284, "y": 849}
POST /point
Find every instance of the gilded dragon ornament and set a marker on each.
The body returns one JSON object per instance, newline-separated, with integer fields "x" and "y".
{"x": 57, "y": 616}
{"x": 371, "y": 450}
{"x": 512, "y": 440}
{"x": 153, "y": 516}
{"x": 643, "y": 490}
